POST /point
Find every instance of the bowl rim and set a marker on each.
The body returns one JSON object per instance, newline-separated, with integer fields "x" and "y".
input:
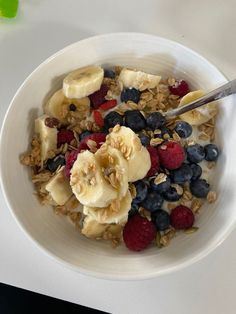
{"x": 193, "y": 258}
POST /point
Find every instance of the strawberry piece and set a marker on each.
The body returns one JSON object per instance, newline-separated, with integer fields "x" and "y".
{"x": 99, "y": 138}
{"x": 64, "y": 136}
{"x": 70, "y": 159}
{"x": 108, "y": 104}
{"x": 154, "y": 161}
{"x": 138, "y": 233}
{"x": 171, "y": 155}
{"x": 180, "y": 88}
{"x": 98, "y": 97}
{"x": 181, "y": 217}
{"x": 98, "y": 118}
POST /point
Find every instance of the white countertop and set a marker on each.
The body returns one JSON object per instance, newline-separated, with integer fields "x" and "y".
{"x": 40, "y": 29}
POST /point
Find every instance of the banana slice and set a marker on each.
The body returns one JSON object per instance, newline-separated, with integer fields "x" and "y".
{"x": 58, "y": 106}
{"x": 93, "y": 229}
{"x": 200, "y": 115}
{"x": 88, "y": 183}
{"x": 116, "y": 212}
{"x": 115, "y": 168}
{"x": 47, "y": 136}
{"x": 138, "y": 79}
{"x": 137, "y": 156}
{"x": 59, "y": 188}
{"x": 83, "y": 82}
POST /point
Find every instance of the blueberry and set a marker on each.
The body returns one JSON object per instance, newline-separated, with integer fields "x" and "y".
{"x": 197, "y": 171}
{"x": 182, "y": 174}
{"x": 113, "y": 118}
{"x": 133, "y": 210}
{"x": 84, "y": 134}
{"x": 171, "y": 195}
{"x": 145, "y": 140}
{"x": 161, "y": 187}
{"x": 135, "y": 120}
{"x": 153, "y": 201}
{"x": 184, "y": 129}
{"x": 195, "y": 153}
{"x": 72, "y": 107}
{"x": 155, "y": 120}
{"x": 212, "y": 152}
{"x": 53, "y": 164}
{"x": 199, "y": 188}
{"x": 109, "y": 73}
{"x": 161, "y": 219}
{"x": 141, "y": 191}
{"x": 130, "y": 94}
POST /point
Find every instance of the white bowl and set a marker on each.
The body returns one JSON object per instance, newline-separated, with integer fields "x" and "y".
{"x": 53, "y": 234}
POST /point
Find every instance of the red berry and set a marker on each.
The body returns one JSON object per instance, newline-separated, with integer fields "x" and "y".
{"x": 181, "y": 217}
{"x": 64, "y": 136}
{"x": 99, "y": 138}
{"x": 70, "y": 159}
{"x": 98, "y": 118}
{"x": 98, "y": 97}
{"x": 138, "y": 233}
{"x": 180, "y": 88}
{"x": 171, "y": 155}
{"x": 154, "y": 161}
{"x": 108, "y": 104}
{"x": 51, "y": 122}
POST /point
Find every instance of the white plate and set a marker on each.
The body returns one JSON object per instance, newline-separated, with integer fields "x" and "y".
{"x": 53, "y": 234}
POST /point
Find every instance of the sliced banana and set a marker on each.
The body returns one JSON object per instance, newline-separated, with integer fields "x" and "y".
{"x": 138, "y": 79}
{"x": 116, "y": 212}
{"x": 129, "y": 145}
{"x": 58, "y": 106}
{"x": 88, "y": 183}
{"x": 93, "y": 229}
{"x": 47, "y": 136}
{"x": 200, "y": 115}
{"x": 83, "y": 82}
{"x": 115, "y": 168}
{"x": 59, "y": 188}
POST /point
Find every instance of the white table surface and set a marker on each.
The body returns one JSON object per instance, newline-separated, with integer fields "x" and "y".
{"x": 41, "y": 28}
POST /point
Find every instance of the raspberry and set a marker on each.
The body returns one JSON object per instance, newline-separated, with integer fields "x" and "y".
{"x": 99, "y": 138}
{"x": 108, "y": 104}
{"x": 98, "y": 97}
{"x": 154, "y": 161}
{"x": 180, "y": 88}
{"x": 171, "y": 155}
{"x": 98, "y": 118}
{"x": 138, "y": 233}
{"x": 181, "y": 217}
{"x": 64, "y": 136}
{"x": 70, "y": 159}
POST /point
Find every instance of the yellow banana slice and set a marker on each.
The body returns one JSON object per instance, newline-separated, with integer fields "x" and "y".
{"x": 83, "y": 82}
{"x": 200, "y": 115}
{"x": 59, "y": 188}
{"x": 137, "y": 156}
{"x": 138, "y": 79}
{"x": 93, "y": 229}
{"x": 116, "y": 212}
{"x": 88, "y": 183}
{"x": 114, "y": 167}
{"x": 58, "y": 106}
{"x": 47, "y": 136}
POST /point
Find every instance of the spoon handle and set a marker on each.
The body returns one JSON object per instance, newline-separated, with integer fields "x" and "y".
{"x": 221, "y": 92}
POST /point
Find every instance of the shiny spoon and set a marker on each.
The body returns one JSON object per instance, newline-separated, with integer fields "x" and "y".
{"x": 218, "y": 93}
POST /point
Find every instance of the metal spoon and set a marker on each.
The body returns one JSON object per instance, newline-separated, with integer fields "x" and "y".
{"x": 221, "y": 92}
